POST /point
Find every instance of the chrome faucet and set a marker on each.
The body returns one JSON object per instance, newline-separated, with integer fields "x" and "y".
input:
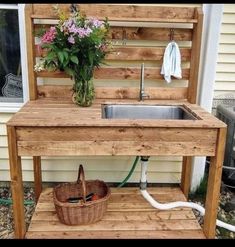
{"x": 142, "y": 93}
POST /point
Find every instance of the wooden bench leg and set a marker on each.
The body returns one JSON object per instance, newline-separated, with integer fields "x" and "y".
{"x": 37, "y": 176}
{"x": 16, "y": 184}
{"x": 213, "y": 187}
{"x": 186, "y": 175}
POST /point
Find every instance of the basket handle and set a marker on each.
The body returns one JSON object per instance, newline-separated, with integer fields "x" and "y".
{"x": 81, "y": 177}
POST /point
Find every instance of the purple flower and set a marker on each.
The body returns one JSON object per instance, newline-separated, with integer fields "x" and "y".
{"x": 84, "y": 32}
{"x": 95, "y": 22}
{"x": 71, "y": 40}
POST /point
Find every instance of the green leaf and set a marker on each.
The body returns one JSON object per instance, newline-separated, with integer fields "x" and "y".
{"x": 90, "y": 57}
{"x": 51, "y": 55}
{"x": 61, "y": 56}
{"x": 74, "y": 59}
{"x": 66, "y": 55}
{"x": 69, "y": 71}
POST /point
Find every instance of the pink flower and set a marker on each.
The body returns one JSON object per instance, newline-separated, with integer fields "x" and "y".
{"x": 49, "y": 36}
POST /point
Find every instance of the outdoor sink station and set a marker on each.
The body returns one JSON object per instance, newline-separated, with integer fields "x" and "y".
{"x": 146, "y": 112}
{"x": 121, "y": 121}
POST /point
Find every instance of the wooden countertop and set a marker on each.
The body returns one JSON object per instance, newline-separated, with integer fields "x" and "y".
{"x": 64, "y": 113}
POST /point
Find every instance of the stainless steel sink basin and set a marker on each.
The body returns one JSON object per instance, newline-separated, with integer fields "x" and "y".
{"x": 146, "y": 112}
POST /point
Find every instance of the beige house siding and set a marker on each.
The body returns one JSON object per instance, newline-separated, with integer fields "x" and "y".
{"x": 109, "y": 169}
{"x": 225, "y": 71}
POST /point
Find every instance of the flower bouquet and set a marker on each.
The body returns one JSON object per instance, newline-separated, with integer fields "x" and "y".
{"x": 76, "y": 45}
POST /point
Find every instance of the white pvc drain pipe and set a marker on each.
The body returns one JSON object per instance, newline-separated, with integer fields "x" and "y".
{"x": 167, "y": 206}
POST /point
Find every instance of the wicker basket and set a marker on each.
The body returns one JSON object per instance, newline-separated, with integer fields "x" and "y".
{"x": 82, "y": 212}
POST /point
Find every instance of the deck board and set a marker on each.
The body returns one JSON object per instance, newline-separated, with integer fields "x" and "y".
{"x": 128, "y": 216}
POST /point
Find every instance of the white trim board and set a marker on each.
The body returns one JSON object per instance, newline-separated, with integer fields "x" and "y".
{"x": 8, "y": 106}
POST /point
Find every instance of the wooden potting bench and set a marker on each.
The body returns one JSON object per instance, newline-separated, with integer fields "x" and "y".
{"x": 51, "y": 125}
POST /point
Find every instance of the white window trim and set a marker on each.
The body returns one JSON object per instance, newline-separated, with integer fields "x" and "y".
{"x": 8, "y": 106}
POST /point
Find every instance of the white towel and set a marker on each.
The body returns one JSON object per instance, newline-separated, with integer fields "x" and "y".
{"x": 171, "y": 62}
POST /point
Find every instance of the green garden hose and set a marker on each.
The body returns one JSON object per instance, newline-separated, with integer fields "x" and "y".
{"x": 9, "y": 201}
{"x": 29, "y": 202}
{"x": 130, "y": 172}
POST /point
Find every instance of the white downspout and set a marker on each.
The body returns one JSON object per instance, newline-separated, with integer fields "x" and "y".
{"x": 210, "y": 43}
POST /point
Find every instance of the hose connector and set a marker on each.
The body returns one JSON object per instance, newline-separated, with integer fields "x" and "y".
{"x": 143, "y": 185}
{"x": 144, "y": 158}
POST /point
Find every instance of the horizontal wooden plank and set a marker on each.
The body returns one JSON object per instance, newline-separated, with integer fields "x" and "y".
{"x": 147, "y": 225}
{"x": 135, "y": 199}
{"x": 125, "y": 218}
{"x": 122, "y": 12}
{"x": 174, "y": 234}
{"x": 112, "y": 207}
{"x": 124, "y": 194}
{"x": 115, "y": 93}
{"x": 133, "y": 53}
{"x": 140, "y": 33}
{"x": 149, "y": 148}
{"x": 161, "y": 194}
{"x": 144, "y": 53}
{"x": 70, "y": 114}
{"x": 129, "y": 73}
{"x": 104, "y": 134}
{"x": 122, "y": 216}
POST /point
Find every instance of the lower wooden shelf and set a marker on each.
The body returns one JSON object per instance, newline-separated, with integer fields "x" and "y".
{"x": 129, "y": 216}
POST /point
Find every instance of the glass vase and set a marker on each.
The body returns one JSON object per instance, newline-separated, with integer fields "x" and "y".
{"x": 83, "y": 92}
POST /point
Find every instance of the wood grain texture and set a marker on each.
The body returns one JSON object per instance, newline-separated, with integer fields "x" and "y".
{"x": 129, "y": 73}
{"x": 195, "y": 58}
{"x": 213, "y": 186}
{"x": 122, "y": 12}
{"x": 42, "y": 113}
{"x": 187, "y": 173}
{"x": 129, "y": 215}
{"x": 146, "y": 148}
{"x": 115, "y": 133}
{"x": 53, "y": 110}
{"x": 16, "y": 184}
{"x": 30, "y": 52}
{"x": 140, "y": 33}
{"x": 133, "y": 53}
{"x": 65, "y": 91}
{"x": 37, "y": 176}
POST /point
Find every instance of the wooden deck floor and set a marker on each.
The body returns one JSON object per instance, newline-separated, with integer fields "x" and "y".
{"x": 129, "y": 215}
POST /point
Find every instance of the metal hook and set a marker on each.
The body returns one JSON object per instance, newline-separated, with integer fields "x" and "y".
{"x": 73, "y": 8}
{"x": 171, "y": 34}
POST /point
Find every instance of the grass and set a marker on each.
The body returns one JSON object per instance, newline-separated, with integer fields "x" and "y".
{"x": 200, "y": 192}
